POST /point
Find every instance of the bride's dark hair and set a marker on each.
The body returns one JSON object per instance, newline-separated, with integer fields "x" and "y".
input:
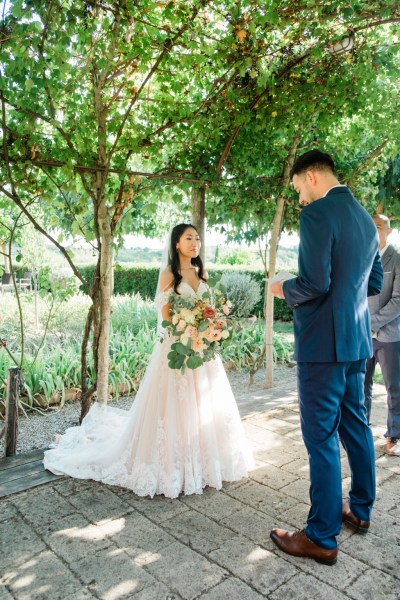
{"x": 173, "y": 256}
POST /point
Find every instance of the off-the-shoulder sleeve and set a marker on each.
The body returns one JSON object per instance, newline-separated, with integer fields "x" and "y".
{"x": 162, "y": 299}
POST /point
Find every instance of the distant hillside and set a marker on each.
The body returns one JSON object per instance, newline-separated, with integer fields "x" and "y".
{"x": 139, "y": 255}
{"x": 286, "y": 258}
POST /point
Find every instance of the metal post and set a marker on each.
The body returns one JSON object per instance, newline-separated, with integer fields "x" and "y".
{"x": 11, "y": 421}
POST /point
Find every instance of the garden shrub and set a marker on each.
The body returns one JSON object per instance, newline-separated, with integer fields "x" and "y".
{"x": 246, "y": 348}
{"x": 143, "y": 281}
{"x": 56, "y": 369}
{"x": 131, "y": 312}
{"x": 236, "y": 256}
{"x": 243, "y": 291}
{"x": 134, "y": 280}
{"x": 282, "y": 312}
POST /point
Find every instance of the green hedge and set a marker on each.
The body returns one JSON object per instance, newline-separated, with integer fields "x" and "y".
{"x": 143, "y": 280}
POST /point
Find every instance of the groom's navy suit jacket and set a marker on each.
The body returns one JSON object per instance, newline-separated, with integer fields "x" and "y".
{"x": 339, "y": 265}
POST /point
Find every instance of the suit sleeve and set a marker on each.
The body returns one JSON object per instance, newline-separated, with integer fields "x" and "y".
{"x": 391, "y": 310}
{"x": 315, "y": 250}
{"x": 375, "y": 281}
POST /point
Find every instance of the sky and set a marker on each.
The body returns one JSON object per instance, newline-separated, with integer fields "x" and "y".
{"x": 4, "y": 6}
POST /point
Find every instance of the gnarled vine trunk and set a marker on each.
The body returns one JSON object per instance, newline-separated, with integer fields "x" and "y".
{"x": 269, "y": 299}
{"x": 199, "y": 214}
{"x": 105, "y": 303}
{"x": 273, "y": 248}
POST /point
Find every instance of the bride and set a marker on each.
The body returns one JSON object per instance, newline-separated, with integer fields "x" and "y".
{"x": 183, "y": 431}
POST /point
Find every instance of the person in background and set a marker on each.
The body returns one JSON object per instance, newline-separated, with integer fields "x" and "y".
{"x": 385, "y": 323}
{"x": 339, "y": 267}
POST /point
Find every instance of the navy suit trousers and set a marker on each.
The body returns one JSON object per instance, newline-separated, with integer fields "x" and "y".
{"x": 331, "y": 401}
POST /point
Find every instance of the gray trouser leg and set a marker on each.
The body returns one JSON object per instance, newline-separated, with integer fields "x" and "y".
{"x": 388, "y": 356}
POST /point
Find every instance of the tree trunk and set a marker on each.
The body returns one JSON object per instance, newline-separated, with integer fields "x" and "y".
{"x": 35, "y": 295}
{"x": 11, "y": 419}
{"x": 105, "y": 302}
{"x": 273, "y": 248}
{"x": 92, "y": 323}
{"x": 112, "y": 271}
{"x": 101, "y": 296}
{"x": 269, "y": 299}
{"x": 199, "y": 214}
{"x": 86, "y": 396}
{"x": 6, "y": 258}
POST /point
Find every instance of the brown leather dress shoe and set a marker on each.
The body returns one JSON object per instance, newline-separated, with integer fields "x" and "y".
{"x": 297, "y": 543}
{"x": 352, "y": 521}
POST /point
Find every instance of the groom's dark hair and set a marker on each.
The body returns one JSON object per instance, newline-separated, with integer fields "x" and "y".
{"x": 313, "y": 159}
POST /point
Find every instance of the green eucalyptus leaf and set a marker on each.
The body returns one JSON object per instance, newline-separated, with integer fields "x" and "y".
{"x": 180, "y": 349}
{"x": 193, "y": 362}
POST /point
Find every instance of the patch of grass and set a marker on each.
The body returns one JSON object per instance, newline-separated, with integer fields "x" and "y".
{"x": 283, "y": 327}
{"x": 284, "y": 331}
{"x": 378, "y": 378}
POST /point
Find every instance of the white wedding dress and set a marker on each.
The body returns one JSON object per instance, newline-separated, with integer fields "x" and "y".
{"x": 182, "y": 433}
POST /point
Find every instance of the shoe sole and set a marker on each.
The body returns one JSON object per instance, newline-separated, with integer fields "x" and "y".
{"x": 329, "y": 563}
{"x": 356, "y": 528}
{"x": 323, "y": 561}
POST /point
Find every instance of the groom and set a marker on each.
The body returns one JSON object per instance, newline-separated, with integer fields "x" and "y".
{"x": 338, "y": 267}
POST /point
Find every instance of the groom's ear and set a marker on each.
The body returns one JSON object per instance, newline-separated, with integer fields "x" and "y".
{"x": 311, "y": 177}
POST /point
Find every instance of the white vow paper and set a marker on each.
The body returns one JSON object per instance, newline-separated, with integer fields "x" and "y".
{"x": 282, "y": 275}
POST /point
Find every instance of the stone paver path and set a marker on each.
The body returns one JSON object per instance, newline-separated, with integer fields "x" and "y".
{"x": 70, "y": 540}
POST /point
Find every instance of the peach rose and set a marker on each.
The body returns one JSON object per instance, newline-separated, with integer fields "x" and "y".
{"x": 215, "y": 335}
{"x": 181, "y": 325}
{"x": 225, "y": 310}
{"x": 198, "y": 345}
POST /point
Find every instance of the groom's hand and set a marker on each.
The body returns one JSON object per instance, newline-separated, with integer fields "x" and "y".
{"x": 277, "y": 289}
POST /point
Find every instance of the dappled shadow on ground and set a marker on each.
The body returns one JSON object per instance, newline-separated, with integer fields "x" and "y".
{"x": 77, "y": 539}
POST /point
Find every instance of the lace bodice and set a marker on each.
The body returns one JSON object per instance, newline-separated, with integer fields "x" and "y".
{"x": 185, "y": 289}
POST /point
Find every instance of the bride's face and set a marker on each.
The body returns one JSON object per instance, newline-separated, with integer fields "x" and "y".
{"x": 189, "y": 243}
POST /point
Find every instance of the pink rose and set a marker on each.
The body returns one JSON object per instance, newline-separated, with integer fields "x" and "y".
{"x": 191, "y": 331}
{"x": 225, "y": 310}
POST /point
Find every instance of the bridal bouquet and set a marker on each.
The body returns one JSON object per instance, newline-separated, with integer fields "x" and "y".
{"x": 199, "y": 326}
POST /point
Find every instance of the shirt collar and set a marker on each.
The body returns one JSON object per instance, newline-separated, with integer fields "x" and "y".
{"x": 382, "y": 252}
{"x": 334, "y": 186}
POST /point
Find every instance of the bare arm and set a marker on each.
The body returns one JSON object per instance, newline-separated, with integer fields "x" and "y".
{"x": 166, "y": 283}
